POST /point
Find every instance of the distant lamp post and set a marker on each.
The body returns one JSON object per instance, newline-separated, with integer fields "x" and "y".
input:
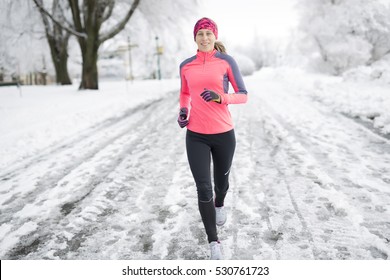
{"x": 159, "y": 51}
{"x": 127, "y": 48}
{"x": 130, "y": 60}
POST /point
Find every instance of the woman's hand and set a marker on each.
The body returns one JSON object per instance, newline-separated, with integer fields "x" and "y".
{"x": 209, "y": 95}
{"x": 182, "y": 120}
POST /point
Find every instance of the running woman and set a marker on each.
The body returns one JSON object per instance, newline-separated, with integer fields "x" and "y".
{"x": 204, "y": 111}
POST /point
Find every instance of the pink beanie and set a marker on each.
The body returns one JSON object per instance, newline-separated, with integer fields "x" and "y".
{"x": 206, "y": 23}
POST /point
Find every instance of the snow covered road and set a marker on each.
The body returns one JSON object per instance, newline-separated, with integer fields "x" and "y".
{"x": 324, "y": 179}
{"x": 307, "y": 183}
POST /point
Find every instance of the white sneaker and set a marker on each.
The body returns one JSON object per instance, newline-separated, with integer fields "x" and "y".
{"x": 216, "y": 250}
{"x": 220, "y": 216}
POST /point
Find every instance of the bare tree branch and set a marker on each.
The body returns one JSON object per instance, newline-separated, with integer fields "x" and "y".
{"x": 62, "y": 12}
{"x": 46, "y": 23}
{"x": 70, "y": 30}
{"x": 77, "y": 13}
{"x": 111, "y": 5}
{"x": 118, "y": 28}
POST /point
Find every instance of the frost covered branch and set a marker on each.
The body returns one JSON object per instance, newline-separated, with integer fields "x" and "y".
{"x": 42, "y": 9}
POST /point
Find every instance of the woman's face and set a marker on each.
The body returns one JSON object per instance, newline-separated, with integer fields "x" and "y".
{"x": 205, "y": 40}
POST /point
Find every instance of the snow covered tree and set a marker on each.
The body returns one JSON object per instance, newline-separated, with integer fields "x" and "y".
{"x": 88, "y": 25}
{"x": 22, "y": 48}
{"x": 58, "y": 39}
{"x": 88, "y": 19}
{"x": 346, "y": 33}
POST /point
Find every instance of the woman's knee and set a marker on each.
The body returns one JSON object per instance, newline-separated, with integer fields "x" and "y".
{"x": 205, "y": 192}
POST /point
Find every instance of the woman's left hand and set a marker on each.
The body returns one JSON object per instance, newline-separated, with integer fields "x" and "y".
{"x": 209, "y": 95}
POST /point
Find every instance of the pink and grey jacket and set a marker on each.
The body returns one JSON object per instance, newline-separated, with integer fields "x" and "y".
{"x": 213, "y": 71}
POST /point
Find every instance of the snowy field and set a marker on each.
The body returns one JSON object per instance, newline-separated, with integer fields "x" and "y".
{"x": 104, "y": 175}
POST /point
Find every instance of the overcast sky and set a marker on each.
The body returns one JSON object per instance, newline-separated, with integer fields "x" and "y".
{"x": 239, "y": 20}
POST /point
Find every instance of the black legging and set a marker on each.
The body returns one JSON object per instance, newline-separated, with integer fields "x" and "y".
{"x": 200, "y": 148}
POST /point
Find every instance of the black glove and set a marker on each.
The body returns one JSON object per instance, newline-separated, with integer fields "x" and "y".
{"x": 209, "y": 95}
{"x": 182, "y": 119}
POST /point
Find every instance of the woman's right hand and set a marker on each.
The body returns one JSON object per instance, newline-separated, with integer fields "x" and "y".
{"x": 183, "y": 117}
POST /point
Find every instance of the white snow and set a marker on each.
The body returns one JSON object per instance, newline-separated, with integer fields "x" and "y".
{"x": 104, "y": 174}
{"x": 36, "y": 117}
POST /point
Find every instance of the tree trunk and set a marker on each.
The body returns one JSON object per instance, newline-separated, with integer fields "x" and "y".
{"x": 62, "y": 75}
{"x": 89, "y": 48}
{"x": 59, "y": 54}
{"x": 89, "y": 78}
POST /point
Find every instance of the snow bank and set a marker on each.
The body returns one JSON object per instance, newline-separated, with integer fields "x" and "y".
{"x": 355, "y": 97}
{"x": 378, "y": 72}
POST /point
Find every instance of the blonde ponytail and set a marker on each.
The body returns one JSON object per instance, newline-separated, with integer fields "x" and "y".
{"x": 219, "y": 47}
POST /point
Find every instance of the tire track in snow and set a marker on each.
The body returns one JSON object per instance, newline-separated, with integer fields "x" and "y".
{"x": 317, "y": 226}
{"x": 242, "y": 235}
{"x": 272, "y": 212}
{"x": 336, "y": 233}
{"x": 107, "y": 155}
{"x": 57, "y": 164}
{"x": 15, "y": 168}
{"x": 311, "y": 160}
{"x": 363, "y": 177}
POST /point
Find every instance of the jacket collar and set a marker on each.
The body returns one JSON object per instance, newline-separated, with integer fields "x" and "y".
{"x": 206, "y": 55}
